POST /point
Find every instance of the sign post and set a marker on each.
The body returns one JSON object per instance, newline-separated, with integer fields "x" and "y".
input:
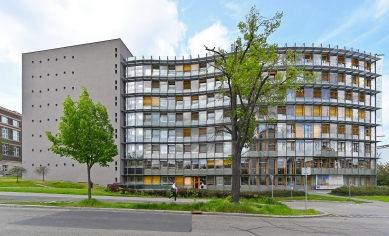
{"x": 306, "y": 171}
{"x": 349, "y": 189}
{"x": 291, "y": 190}
{"x": 271, "y": 177}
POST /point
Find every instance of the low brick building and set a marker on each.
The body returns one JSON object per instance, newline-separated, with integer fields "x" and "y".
{"x": 11, "y": 132}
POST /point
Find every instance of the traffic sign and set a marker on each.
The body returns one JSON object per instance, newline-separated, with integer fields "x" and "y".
{"x": 306, "y": 171}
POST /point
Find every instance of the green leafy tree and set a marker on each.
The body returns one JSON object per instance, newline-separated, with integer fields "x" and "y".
{"x": 255, "y": 77}
{"x": 85, "y": 134}
{"x": 383, "y": 174}
{"x": 17, "y": 171}
{"x": 42, "y": 170}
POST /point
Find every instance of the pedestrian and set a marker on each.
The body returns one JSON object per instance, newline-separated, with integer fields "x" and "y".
{"x": 174, "y": 190}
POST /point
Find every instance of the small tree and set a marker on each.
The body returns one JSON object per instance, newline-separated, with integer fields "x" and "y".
{"x": 256, "y": 77}
{"x": 383, "y": 174}
{"x": 85, "y": 134}
{"x": 42, "y": 170}
{"x": 17, "y": 171}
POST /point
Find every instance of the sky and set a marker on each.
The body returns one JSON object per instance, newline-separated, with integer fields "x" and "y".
{"x": 168, "y": 28}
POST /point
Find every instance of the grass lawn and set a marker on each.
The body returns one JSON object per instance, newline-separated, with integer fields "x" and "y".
{"x": 375, "y": 198}
{"x": 313, "y": 197}
{"x": 264, "y": 206}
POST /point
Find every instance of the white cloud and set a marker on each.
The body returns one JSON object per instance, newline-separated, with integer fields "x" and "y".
{"x": 382, "y": 6}
{"x": 147, "y": 27}
{"x": 216, "y": 36}
{"x": 366, "y": 12}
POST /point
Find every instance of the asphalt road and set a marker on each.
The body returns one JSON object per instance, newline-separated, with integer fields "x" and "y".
{"x": 345, "y": 219}
{"x": 18, "y": 221}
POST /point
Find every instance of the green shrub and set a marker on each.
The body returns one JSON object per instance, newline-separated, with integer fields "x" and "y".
{"x": 362, "y": 191}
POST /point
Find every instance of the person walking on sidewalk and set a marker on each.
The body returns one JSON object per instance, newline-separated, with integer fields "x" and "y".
{"x": 174, "y": 190}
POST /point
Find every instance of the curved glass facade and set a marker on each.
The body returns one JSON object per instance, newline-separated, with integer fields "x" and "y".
{"x": 173, "y": 113}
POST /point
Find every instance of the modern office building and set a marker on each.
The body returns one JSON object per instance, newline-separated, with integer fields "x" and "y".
{"x": 11, "y": 132}
{"x": 167, "y": 113}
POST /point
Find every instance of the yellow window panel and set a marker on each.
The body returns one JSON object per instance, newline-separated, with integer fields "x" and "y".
{"x": 299, "y": 110}
{"x": 147, "y": 180}
{"x": 156, "y": 179}
{"x": 186, "y": 68}
{"x": 203, "y": 131}
{"x": 179, "y": 68}
{"x": 195, "y": 67}
{"x": 349, "y": 112}
{"x": 317, "y": 110}
{"x": 333, "y": 111}
{"x": 187, "y": 132}
{"x": 361, "y": 114}
{"x": 179, "y": 180}
{"x": 147, "y": 101}
{"x": 186, "y": 84}
{"x": 155, "y": 101}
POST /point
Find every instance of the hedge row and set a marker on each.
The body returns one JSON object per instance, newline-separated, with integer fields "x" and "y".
{"x": 201, "y": 193}
{"x": 362, "y": 191}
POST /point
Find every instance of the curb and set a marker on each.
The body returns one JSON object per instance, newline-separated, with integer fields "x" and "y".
{"x": 163, "y": 211}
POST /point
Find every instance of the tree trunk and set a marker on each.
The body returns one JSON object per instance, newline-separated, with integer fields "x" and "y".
{"x": 235, "y": 185}
{"x": 89, "y": 187}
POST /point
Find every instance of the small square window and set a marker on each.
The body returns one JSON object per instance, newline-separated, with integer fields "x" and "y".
{"x": 32, "y": 135}
{"x": 56, "y": 119}
{"x": 32, "y": 62}
{"x": 56, "y": 89}
{"x": 116, "y": 82}
{"x": 32, "y": 76}
{"x": 48, "y": 59}
{"x": 56, "y": 74}
{"x": 116, "y": 49}
{"x": 116, "y": 71}
{"x": 116, "y": 168}
{"x": 72, "y": 72}
{"x": 116, "y": 104}
{"x": 64, "y": 57}
{"x": 40, "y": 61}
{"x": 116, "y": 87}
{"x": 56, "y": 104}
{"x": 40, "y": 105}
{"x": 64, "y": 87}
{"x": 116, "y": 98}
{"x": 48, "y": 104}
{"x": 40, "y": 76}
{"x": 116, "y": 120}
{"x": 48, "y": 164}
{"x": 40, "y": 121}
{"x": 116, "y": 66}
{"x": 116, "y": 55}
{"x": 32, "y": 164}
{"x": 48, "y": 119}
{"x": 48, "y": 149}
{"x": 32, "y": 105}
{"x": 32, "y": 120}
{"x": 32, "y": 90}
{"x": 48, "y": 74}
{"x": 116, "y": 136}
{"x": 64, "y": 164}
{"x": 64, "y": 72}
{"x": 56, "y": 59}
{"x": 32, "y": 149}
{"x": 48, "y": 89}
{"x": 40, "y": 136}
{"x": 40, "y": 150}
{"x": 116, "y": 114}
{"x": 73, "y": 88}
{"x": 40, "y": 91}
{"x": 40, "y": 165}
{"x": 56, "y": 165}
{"x": 73, "y": 57}
{"x": 73, "y": 165}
